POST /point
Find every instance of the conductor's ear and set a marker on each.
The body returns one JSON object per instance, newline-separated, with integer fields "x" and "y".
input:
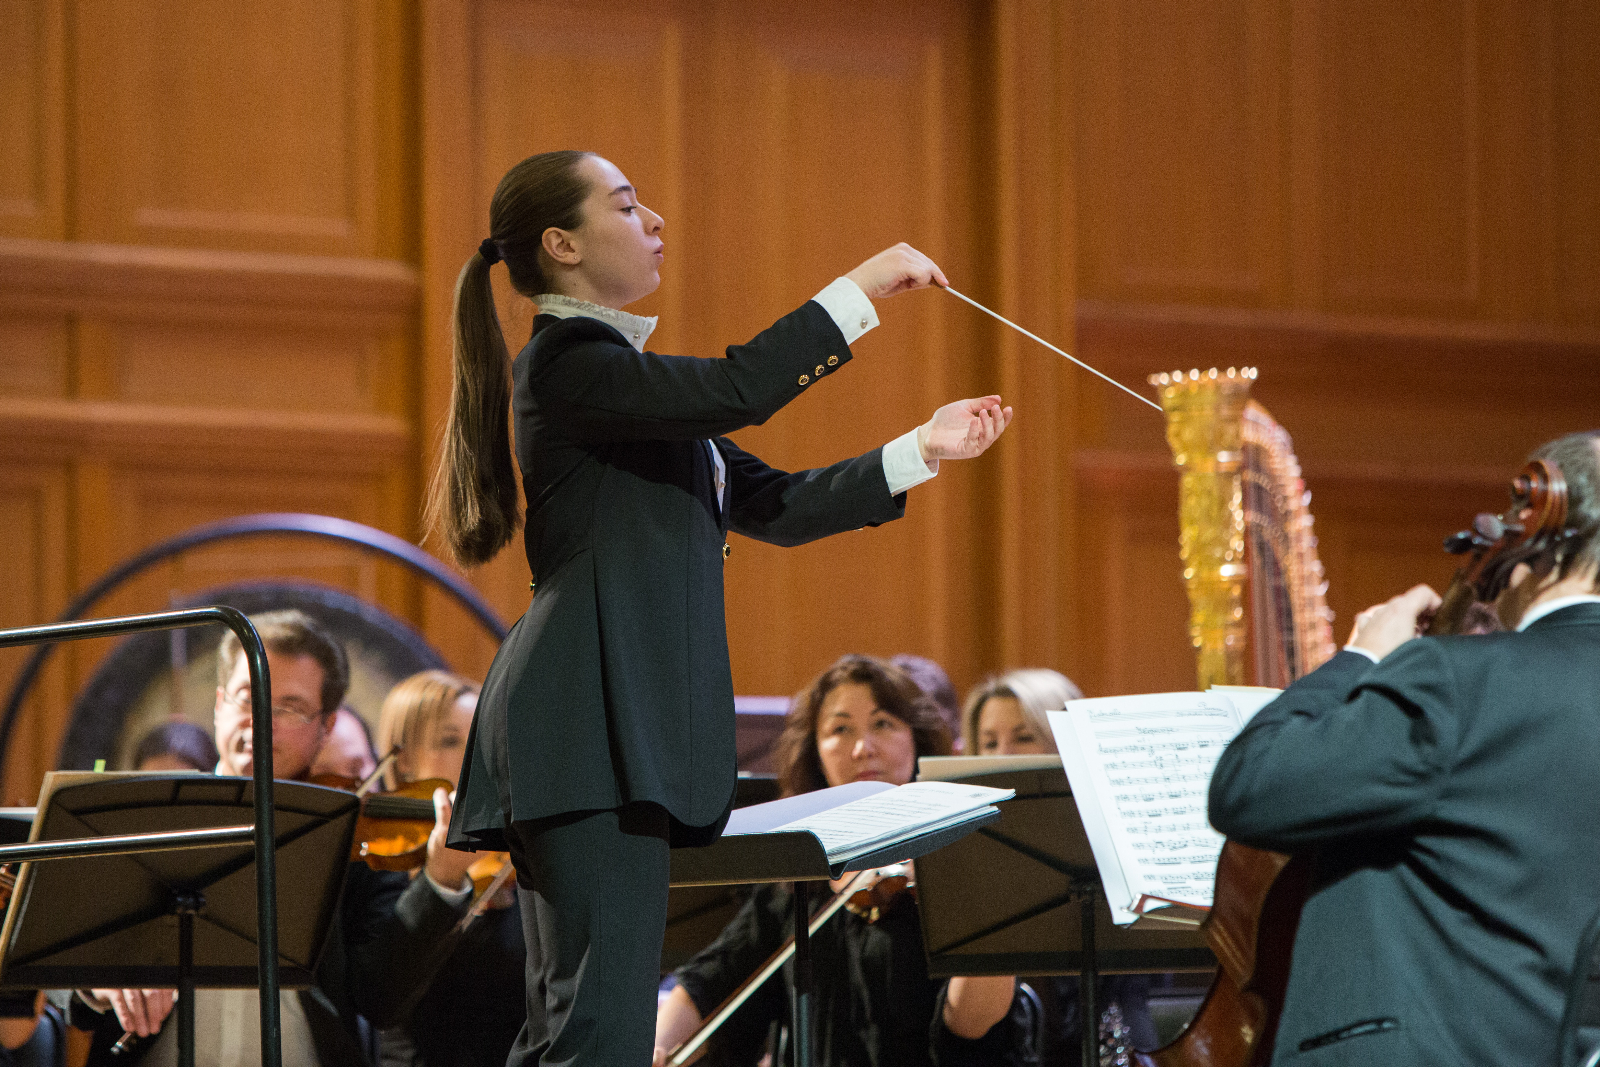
{"x": 562, "y": 247}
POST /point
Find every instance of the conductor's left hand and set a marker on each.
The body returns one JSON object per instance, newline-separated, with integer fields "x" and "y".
{"x": 446, "y": 866}
{"x": 962, "y": 430}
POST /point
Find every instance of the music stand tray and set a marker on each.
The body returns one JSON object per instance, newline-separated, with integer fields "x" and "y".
{"x": 114, "y": 922}
{"x": 1051, "y": 917}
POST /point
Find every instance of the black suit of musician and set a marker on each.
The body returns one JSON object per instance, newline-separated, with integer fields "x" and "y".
{"x": 1448, "y": 791}
{"x": 605, "y": 729}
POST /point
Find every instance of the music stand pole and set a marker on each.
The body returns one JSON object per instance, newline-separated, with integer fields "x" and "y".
{"x": 804, "y": 979}
{"x": 186, "y": 905}
{"x": 1088, "y": 976}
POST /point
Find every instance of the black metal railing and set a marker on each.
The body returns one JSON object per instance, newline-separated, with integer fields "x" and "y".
{"x": 262, "y": 833}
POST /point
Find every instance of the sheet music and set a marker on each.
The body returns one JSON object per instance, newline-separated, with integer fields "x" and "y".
{"x": 1247, "y": 699}
{"x": 1140, "y": 768}
{"x": 863, "y": 824}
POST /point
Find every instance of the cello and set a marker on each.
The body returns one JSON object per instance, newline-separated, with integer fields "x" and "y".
{"x": 1259, "y": 894}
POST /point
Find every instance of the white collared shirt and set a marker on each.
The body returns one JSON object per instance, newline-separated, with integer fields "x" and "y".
{"x": 851, "y": 311}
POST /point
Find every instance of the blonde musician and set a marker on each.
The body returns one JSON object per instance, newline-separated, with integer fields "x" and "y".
{"x": 1006, "y": 716}
{"x": 472, "y": 1011}
{"x": 861, "y": 719}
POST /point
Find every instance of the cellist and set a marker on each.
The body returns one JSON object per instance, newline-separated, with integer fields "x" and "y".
{"x": 1445, "y": 786}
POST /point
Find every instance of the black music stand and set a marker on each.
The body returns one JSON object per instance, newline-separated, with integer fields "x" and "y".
{"x": 798, "y": 857}
{"x": 174, "y": 919}
{"x": 1051, "y": 917}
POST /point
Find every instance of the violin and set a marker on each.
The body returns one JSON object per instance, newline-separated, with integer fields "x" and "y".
{"x": 1259, "y": 894}
{"x": 393, "y": 827}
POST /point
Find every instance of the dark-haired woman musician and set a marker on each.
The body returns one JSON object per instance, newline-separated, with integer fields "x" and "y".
{"x": 605, "y": 728}
{"x": 861, "y": 720}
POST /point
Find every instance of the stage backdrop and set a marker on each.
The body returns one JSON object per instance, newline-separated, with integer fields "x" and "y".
{"x": 229, "y": 233}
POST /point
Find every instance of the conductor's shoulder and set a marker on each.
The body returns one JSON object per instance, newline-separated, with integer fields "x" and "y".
{"x": 553, "y": 336}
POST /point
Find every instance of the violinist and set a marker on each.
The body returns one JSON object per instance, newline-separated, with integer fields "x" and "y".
{"x": 604, "y": 734}
{"x": 372, "y": 959}
{"x": 472, "y": 1010}
{"x": 1446, "y": 786}
{"x": 1007, "y": 716}
{"x": 860, "y": 720}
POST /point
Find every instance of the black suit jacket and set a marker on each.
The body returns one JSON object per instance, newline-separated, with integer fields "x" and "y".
{"x": 1450, "y": 795}
{"x": 615, "y": 686}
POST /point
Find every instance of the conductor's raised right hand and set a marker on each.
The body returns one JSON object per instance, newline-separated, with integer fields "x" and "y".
{"x": 896, "y": 270}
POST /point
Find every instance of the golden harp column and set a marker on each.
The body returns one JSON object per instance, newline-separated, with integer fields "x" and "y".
{"x": 1204, "y": 428}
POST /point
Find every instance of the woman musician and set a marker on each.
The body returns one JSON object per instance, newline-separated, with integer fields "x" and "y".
{"x": 605, "y": 729}
{"x": 860, "y": 720}
{"x": 472, "y": 1010}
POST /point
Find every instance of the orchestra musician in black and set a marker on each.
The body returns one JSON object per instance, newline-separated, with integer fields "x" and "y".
{"x": 604, "y": 733}
{"x": 1446, "y": 788}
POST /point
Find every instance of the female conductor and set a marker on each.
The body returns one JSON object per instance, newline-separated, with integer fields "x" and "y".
{"x": 604, "y": 733}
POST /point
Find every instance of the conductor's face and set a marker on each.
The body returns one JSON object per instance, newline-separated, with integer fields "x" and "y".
{"x": 857, "y": 741}
{"x": 614, "y": 256}
{"x": 298, "y": 725}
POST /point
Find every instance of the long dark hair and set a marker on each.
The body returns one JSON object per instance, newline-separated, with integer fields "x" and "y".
{"x": 473, "y": 501}
{"x": 795, "y": 753}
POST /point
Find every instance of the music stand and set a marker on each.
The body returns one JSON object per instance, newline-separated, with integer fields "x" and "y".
{"x": 1052, "y": 916}
{"x": 798, "y": 857}
{"x": 173, "y": 919}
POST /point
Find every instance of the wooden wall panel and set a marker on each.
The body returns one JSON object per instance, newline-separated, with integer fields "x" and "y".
{"x": 32, "y": 88}
{"x": 1182, "y": 177}
{"x": 34, "y": 516}
{"x": 1576, "y": 159}
{"x": 248, "y": 124}
{"x": 34, "y": 356}
{"x": 333, "y": 371}
{"x": 1400, "y": 154}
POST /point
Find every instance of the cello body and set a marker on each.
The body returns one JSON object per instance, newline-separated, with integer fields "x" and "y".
{"x": 1251, "y": 929}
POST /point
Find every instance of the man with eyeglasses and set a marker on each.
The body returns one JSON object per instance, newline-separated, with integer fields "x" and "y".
{"x": 372, "y": 961}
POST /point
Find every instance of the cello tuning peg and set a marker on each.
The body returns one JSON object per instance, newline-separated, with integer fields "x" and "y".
{"x": 1489, "y": 527}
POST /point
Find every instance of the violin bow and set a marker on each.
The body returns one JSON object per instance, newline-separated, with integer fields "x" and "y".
{"x": 686, "y": 1051}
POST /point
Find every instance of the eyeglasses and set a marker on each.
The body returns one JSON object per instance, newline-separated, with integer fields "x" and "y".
{"x": 240, "y": 702}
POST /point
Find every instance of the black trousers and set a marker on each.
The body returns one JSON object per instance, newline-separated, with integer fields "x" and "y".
{"x": 593, "y": 890}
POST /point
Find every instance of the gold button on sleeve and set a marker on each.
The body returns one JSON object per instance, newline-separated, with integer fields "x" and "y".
{"x": 818, "y": 371}
{"x": 833, "y": 361}
{"x": 727, "y": 550}
{"x": 805, "y": 379}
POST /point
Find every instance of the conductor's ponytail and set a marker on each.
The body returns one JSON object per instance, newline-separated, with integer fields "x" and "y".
{"x": 473, "y": 501}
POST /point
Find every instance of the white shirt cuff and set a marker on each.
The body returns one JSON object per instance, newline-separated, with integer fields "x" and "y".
{"x": 1361, "y": 652}
{"x": 902, "y": 464}
{"x": 451, "y": 897}
{"x": 849, "y": 307}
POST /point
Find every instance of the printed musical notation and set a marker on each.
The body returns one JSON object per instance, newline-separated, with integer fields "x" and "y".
{"x": 1149, "y": 760}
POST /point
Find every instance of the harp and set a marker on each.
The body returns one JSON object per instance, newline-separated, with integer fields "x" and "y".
{"x": 1257, "y": 593}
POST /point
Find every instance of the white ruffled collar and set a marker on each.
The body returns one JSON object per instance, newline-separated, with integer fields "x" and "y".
{"x": 636, "y": 328}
